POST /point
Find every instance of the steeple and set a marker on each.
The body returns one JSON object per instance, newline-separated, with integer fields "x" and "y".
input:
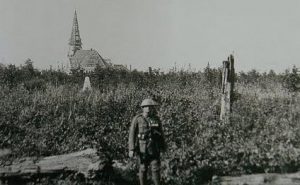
{"x": 75, "y": 40}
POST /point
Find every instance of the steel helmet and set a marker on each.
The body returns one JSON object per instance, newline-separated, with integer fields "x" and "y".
{"x": 148, "y": 102}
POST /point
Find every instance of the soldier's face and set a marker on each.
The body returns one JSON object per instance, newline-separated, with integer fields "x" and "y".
{"x": 148, "y": 110}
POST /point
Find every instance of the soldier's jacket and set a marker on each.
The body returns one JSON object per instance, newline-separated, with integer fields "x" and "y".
{"x": 146, "y": 135}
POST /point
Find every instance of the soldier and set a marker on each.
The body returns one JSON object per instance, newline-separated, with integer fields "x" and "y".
{"x": 146, "y": 140}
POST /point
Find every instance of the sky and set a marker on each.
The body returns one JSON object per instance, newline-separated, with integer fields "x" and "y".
{"x": 261, "y": 34}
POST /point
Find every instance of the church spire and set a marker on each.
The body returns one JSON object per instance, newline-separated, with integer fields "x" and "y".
{"x": 75, "y": 40}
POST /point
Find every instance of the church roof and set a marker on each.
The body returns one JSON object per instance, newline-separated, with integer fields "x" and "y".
{"x": 87, "y": 59}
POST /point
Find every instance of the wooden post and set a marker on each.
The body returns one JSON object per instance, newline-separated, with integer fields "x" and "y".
{"x": 227, "y": 88}
{"x": 298, "y": 73}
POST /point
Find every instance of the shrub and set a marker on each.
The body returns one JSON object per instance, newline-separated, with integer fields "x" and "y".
{"x": 35, "y": 84}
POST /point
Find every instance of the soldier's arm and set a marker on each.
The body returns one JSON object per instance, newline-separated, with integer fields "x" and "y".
{"x": 132, "y": 134}
{"x": 163, "y": 141}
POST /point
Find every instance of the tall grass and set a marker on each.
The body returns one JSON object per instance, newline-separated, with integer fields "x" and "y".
{"x": 263, "y": 135}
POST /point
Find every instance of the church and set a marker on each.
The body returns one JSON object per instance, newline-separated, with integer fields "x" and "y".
{"x": 85, "y": 59}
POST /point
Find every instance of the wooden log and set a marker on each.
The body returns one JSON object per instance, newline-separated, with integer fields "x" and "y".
{"x": 259, "y": 179}
{"x": 85, "y": 162}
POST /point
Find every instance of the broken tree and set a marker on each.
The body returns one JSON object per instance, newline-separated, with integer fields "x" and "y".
{"x": 86, "y": 162}
{"x": 227, "y": 88}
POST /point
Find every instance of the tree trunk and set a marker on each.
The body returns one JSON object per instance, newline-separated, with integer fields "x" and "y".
{"x": 85, "y": 162}
{"x": 227, "y": 88}
{"x": 259, "y": 179}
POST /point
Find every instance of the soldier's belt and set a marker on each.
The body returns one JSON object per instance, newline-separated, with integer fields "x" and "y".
{"x": 142, "y": 136}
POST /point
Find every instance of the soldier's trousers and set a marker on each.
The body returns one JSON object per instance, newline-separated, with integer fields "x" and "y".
{"x": 154, "y": 164}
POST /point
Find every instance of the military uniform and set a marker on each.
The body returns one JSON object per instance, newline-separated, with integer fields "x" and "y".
{"x": 146, "y": 139}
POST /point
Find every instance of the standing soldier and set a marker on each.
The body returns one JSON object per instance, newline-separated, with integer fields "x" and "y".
{"x": 146, "y": 140}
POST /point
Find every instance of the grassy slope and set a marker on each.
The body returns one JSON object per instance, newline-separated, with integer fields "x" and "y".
{"x": 263, "y": 134}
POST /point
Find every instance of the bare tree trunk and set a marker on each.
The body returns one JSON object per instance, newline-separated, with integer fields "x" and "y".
{"x": 227, "y": 88}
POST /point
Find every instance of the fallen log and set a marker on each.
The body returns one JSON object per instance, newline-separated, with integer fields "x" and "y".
{"x": 85, "y": 162}
{"x": 259, "y": 179}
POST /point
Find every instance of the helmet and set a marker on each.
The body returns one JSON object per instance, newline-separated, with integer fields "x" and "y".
{"x": 148, "y": 102}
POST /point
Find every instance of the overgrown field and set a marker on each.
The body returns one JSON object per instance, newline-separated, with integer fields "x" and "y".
{"x": 45, "y": 115}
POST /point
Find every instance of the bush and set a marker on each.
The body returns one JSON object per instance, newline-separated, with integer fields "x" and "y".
{"x": 35, "y": 84}
{"x": 292, "y": 80}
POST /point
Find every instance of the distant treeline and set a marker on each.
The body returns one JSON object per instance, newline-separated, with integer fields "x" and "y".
{"x": 105, "y": 78}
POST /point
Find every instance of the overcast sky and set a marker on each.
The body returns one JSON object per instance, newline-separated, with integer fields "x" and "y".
{"x": 262, "y": 34}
